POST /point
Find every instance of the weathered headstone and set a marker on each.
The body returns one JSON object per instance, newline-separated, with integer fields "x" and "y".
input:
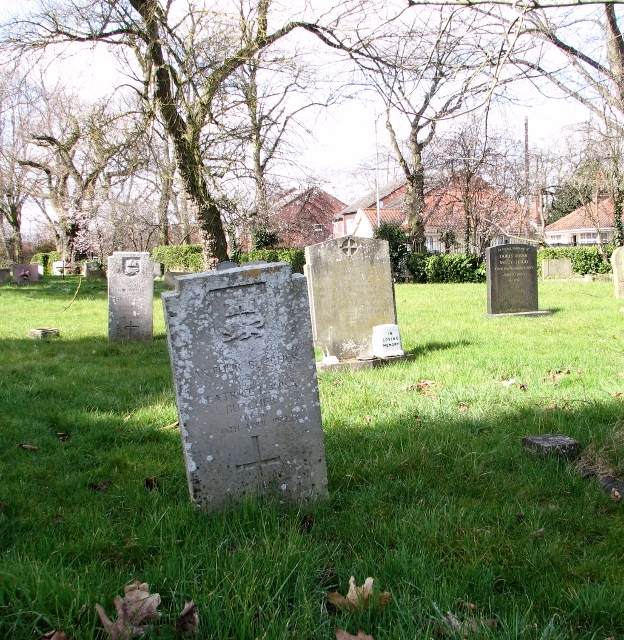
{"x": 556, "y": 268}
{"x": 244, "y": 374}
{"x": 25, "y": 273}
{"x": 552, "y": 444}
{"x": 5, "y": 275}
{"x": 43, "y": 332}
{"x": 158, "y": 269}
{"x": 170, "y": 277}
{"x": 130, "y": 296}
{"x": 351, "y": 291}
{"x": 92, "y": 270}
{"x": 511, "y": 272}
{"x": 617, "y": 262}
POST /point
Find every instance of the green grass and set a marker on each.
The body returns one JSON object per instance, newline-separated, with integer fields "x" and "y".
{"x": 430, "y": 493}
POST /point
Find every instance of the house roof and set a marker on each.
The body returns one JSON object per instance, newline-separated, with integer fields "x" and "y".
{"x": 586, "y": 217}
{"x": 370, "y": 199}
{"x": 386, "y": 215}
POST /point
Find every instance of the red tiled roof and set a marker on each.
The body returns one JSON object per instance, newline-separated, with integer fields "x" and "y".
{"x": 393, "y": 216}
{"x": 586, "y": 217}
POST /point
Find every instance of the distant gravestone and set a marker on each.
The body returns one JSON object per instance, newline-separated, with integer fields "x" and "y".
{"x": 92, "y": 270}
{"x": 552, "y": 444}
{"x": 617, "y": 262}
{"x": 511, "y": 272}
{"x": 5, "y": 275}
{"x": 58, "y": 268}
{"x": 244, "y": 374}
{"x": 556, "y": 268}
{"x": 170, "y": 277}
{"x": 351, "y": 291}
{"x": 25, "y": 273}
{"x": 158, "y": 269}
{"x": 130, "y": 296}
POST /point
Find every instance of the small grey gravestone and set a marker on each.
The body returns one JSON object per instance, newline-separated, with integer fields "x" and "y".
{"x": 130, "y": 297}
{"x": 617, "y": 262}
{"x": 170, "y": 277}
{"x": 158, "y": 269}
{"x": 511, "y": 273}
{"x": 225, "y": 265}
{"x": 351, "y": 291}
{"x": 244, "y": 375}
{"x": 25, "y": 273}
{"x": 556, "y": 268}
{"x": 43, "y": 333}
{"x": 5, "y": 275}
{"x": 92, "y": 270}
{"x": 552, "y": 444}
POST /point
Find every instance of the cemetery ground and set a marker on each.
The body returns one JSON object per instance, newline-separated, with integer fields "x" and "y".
{"x": 430, "y": 491}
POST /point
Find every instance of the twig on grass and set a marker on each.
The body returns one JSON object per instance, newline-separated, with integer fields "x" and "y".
{"x": 75, "y": 294}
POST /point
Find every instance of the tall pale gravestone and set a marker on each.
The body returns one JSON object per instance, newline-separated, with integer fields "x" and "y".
{"x": 351, "y": 291}
{"x": 240, "y": 343}
{"x": 617, "y": 262}
{"x": 130, "y": 297}
{"x": 511, "y": 272}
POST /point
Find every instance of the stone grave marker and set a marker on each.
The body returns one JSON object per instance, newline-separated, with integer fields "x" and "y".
{"x": 511, "y": 273}
{"x": 26, "y": 273}
{"x": 552, "y": 444}
{"x": 5, "y": 275}
{"x": 92, "y": 270}
{"x": 617, "y": 262}
{"x": 241, "y": 351}
{"x": 158, "y": 269}
{"x": 130, "y": 296}
{"x": 387, "y": 341}
{"x": 556, "y": 268}
{"x": 351, "y": 291}
{"x": 58, "y": 268}
{"x": 170, "y": 277}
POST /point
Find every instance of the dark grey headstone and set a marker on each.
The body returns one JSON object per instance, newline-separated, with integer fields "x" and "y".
{"x": 240, "y": 343}
{"x": 5, "y": 275}
{"x": 512, "y": 280}
{"x": 225, "y": 265}
{"x": 552, "y": 444}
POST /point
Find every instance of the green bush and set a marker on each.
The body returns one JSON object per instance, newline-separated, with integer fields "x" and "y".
{"x": 185, "y": 257}
{"x": 46, "y": 260}
{"x": 397, "y": 242}
{"x": 415, "y": 264}
{"x": 295, "y": 257}
{"x": 454, "y": 267}
{"x": 584, "y": 259}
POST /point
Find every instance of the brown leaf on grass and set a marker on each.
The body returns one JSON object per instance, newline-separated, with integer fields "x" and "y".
{"x": 417, "y": 418}
{"x": 187, "y": 623}
{"x": 137, "y": 606}
{"x": 615, "y": 495}
{"x": 451, "y": 624}
{"x": 618, "y": 394}
{"x": 463, "y": 407}
{"x": 173, "y": 425}
{"x": 468, "y": 606}
{"x": 307, "y": 522}
{"x": 55, "y": 635}
{"x": 539, "y": 533}
{"x": 341, "y": 634}
{"x": 358, "y": 597}
{"x": 368, "y": 420}
{"x": 28, "y": 447}
{"x": 523, "y": 387}
{"x": 104, "y": 485}
{"x": 552, "y": 407}
{"x": 62, "y": 436}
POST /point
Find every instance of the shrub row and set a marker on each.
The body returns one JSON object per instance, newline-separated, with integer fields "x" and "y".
{"x": 584, "y": 259}
{"x": 46, "y": 260}
{"x": 446, "y": 267}
{"x": 295, "y": 257}
{"x": 185, "y": 257}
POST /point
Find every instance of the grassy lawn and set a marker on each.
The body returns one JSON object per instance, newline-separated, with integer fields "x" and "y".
{"x": 430, "y": 491}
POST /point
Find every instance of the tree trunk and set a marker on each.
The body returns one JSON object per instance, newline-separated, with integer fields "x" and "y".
{"x": 166, "y": 182}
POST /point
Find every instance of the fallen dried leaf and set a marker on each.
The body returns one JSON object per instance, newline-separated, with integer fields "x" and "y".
{"x": 417, "y": 418}
{"x": 539, "y": 533}
{"x": 62, "y": 436}
{"x": 469, "y": 606}
{"x": 173, "y": 425}
{"x": 552, "y": 407}
{"x": 618, "y": 394}
{"x": 423, "y": 384}
{"x": 137, "y": 606}
{"x": 187, "y": 623}
{"x": 341, "y": 634}
{"x": 463, "y": 407}
{"x": 451, "y": 624}
{"x": 615, "y": 495}
{"x": 523, "y": 387}
{"x": 368, "y": 419}
{"x": 100, "y": 486}
{"x": 307, "y": 522}
{"x": 28, "y": 447}
{"x": 55, "y": 635}
{"x": 358, "y": 597}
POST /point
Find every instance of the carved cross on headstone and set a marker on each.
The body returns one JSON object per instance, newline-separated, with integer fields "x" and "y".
{"x": 131, "y": 326}
{"x": 258, "y": 463}
{"x": 349, "y": 246}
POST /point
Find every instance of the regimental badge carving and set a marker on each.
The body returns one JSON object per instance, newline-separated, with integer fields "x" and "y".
{"x": 131, "y": 266}
{"x": 243, "y": 320}
{"x": 349, "y": 247}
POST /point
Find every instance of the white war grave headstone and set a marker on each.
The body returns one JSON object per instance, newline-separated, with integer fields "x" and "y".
{"x": 351, "y": 291}
{"x": 242, "y": 358}
{"x": 130, "y": 297}
{"x": 617, "y": 262}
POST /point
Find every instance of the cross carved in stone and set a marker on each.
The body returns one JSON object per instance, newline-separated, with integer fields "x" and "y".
{"x": 349, "y": 246}
{"x": 130, "y": 327}
{"x": 259, "y": 463}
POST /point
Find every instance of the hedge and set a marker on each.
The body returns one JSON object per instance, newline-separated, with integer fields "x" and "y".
{"x": 446, "y": 267}
{"x": 295, "y": 257}
{"x": 185, "y": 257}
{"x": 46, "y": 260}
{"x": 584, "y": 259}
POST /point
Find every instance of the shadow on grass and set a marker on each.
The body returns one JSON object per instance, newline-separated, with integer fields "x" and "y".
{"x": 438, "y": 346}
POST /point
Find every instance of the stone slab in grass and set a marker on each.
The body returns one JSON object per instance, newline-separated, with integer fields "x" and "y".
{"x": 359, "y": 365}
{"x": 240, "y": 342}
{"x": 43, "y": 333}
{"x": 552, "y": 444}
